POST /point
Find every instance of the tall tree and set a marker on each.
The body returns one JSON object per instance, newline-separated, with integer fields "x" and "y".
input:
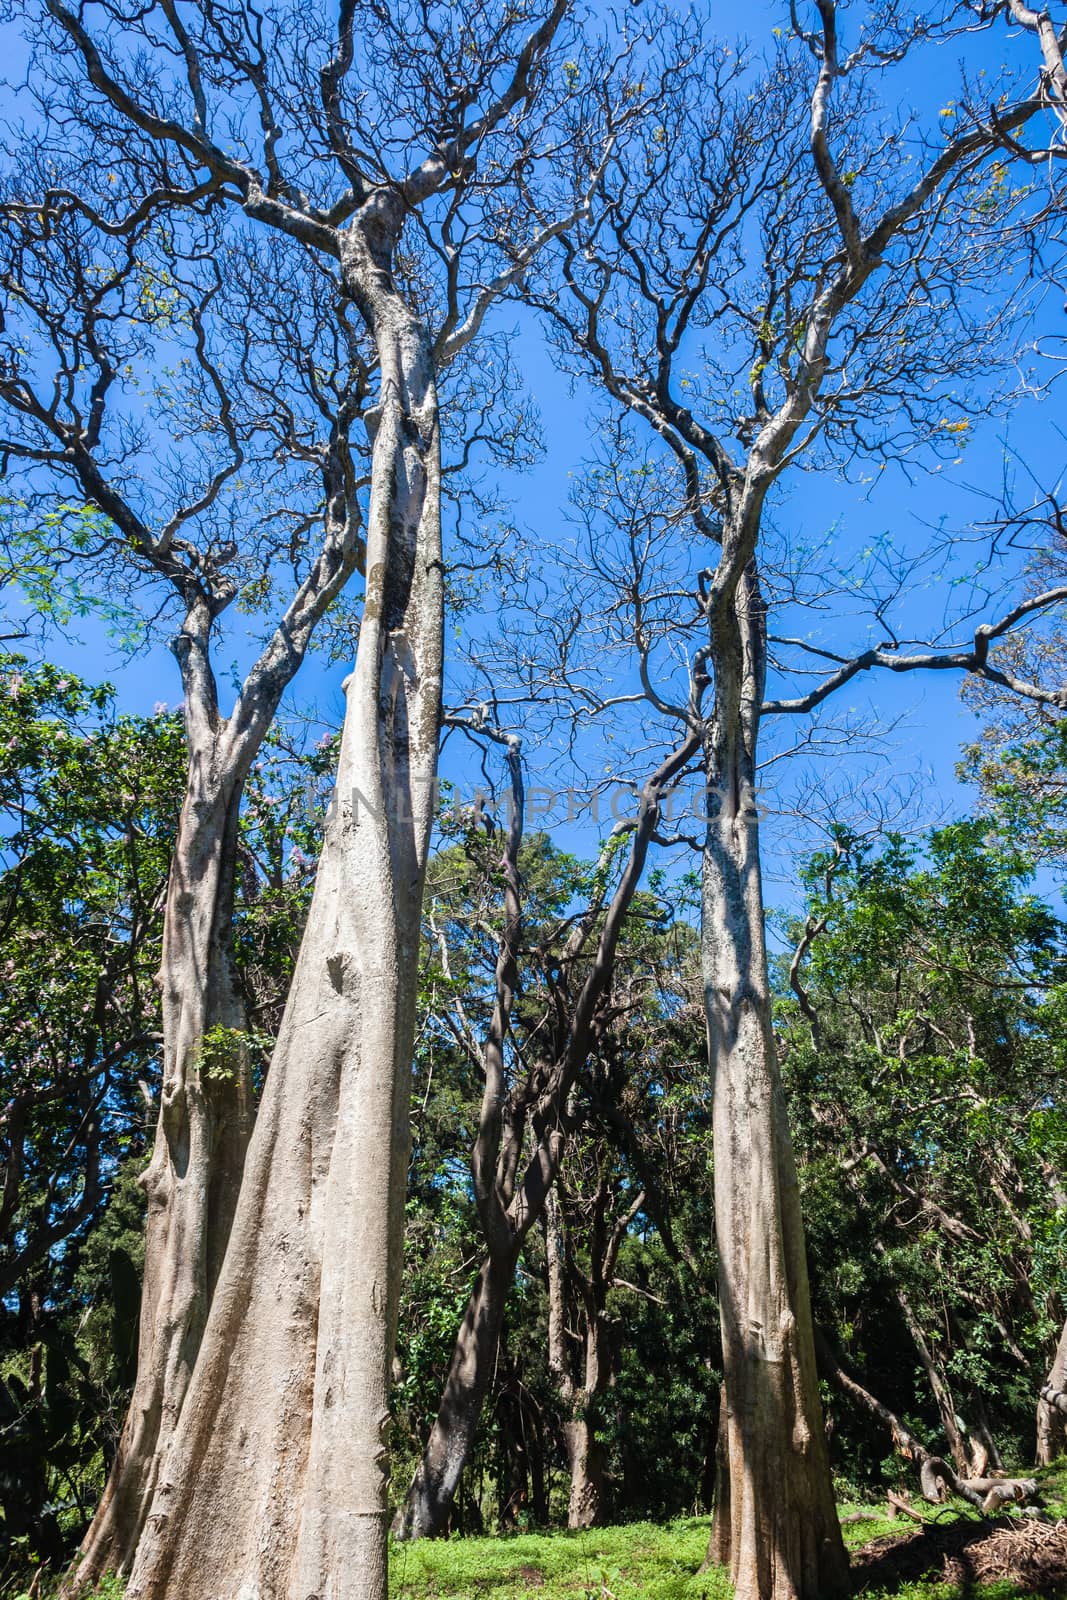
{"x": 437, "y": 146}
{"x": 97, "y": 307}
{"x": 871, "y": 248}
{"x": 90, "y": 799}
{"x": 439, "y": 124}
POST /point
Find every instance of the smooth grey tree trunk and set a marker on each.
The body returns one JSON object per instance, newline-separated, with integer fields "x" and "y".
{"x": 193, "y": 1177}
{"x": 775, "y": 1521}
{"x": 205, "y": 1118}
{"x": 783, "y": 1536}
{"x": 274, "y": 1487}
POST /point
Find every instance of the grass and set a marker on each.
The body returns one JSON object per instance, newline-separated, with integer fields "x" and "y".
{"x": 638, "y": 1561}
{"x": 648, "y": 1561}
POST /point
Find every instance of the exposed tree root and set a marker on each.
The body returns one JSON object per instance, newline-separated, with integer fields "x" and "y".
{"x": 988, "y": 1494}
{"x": 937, "y": 1479}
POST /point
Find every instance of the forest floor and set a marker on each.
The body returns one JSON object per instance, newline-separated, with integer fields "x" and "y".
{"x": 953, "y": 1555}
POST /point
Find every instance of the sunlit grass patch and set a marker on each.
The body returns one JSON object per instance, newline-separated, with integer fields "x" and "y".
{"x": 646, "y": 1561}
{"x": 638, "y": 1561}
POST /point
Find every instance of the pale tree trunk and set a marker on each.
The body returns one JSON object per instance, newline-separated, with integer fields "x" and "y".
{"x": 585, "y": 1458}
{"x": 774, "y": 1515}
{"x": 192, "y": 1180}
{"x": 425, "y": 1511}
{"x": 205, "y": 1119}
{"x": 274, "y": 1487}
{"x": 1052, "y": 1408}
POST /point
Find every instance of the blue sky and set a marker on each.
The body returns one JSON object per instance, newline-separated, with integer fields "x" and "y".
{"x": 929, "y": 720}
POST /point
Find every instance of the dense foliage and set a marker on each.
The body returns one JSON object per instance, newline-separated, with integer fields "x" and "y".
{"x": 89, "y": 800}
{"x": 923, "y": 1044}
{"x": 920, "y": 1019}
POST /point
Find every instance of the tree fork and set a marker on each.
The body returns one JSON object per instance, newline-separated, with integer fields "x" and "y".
{"x": 275, "y": 1484}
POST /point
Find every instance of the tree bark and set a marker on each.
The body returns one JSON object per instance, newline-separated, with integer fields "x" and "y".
{"x": 206, "y": 1116}
{"x": 783, "y": 1537}
{"x": 581, "y": 1397}
{"x": 1052, "y": 1414}
{"x": 202, "y": 1134}
{"x": 585, "y": 1458}
{"x": 274, "y": 1487}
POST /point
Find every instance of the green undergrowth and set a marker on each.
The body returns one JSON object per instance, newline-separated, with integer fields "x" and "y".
{"x": 638, "y": 1561}
{"x": 647, "y": 1561}
{"x": 111, "y": 1588}
{"x": 650, "y": 1561}
{"x": 1053, "y": 1482}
